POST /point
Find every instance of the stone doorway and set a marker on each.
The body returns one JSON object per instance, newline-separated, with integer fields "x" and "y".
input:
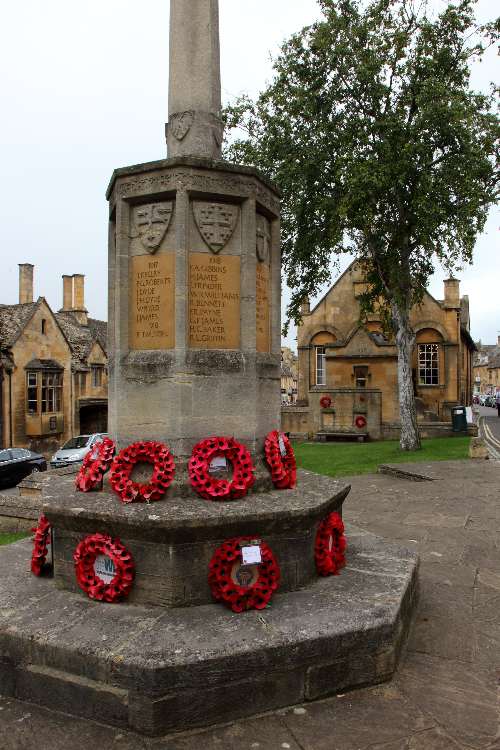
{"x": 93, "y": 418}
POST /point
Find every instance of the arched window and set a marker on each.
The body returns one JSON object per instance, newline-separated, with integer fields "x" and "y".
{"x": 429, "y": 356}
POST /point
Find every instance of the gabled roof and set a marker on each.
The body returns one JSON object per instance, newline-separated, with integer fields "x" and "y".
{"x": 13, "y": 320}
{"x": 81, "y": 338}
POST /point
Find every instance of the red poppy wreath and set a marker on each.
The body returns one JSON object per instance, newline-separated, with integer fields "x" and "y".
{"x": 129, "y": 491}
{"x": 325, "y": 402}
{"x": 211, "y": 487}
{"x": 329, "y": 551}
{"x": 104, "y": 568}
{"x": 241, "y": 587}
{"x": 95, "y": 465}
{"x": 41, "y": 540}
{"x": 281, "y": 460}
{"x": 360, "y": 421}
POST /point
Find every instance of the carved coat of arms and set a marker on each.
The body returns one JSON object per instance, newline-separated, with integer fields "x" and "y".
{"x": 216, "y": 222}
{"x": 180, "y": 124}
{"x": 263, "y": 238}
{"x": 151, "y": 223}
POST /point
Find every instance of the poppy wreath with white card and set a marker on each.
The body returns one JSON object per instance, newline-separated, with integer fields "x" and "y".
{"x": 212, "y": 454}
{"x": 329, "y": 550}
{"x": 104, "y": 568}
{"x": 95, "y": 465}
{"x": 41, "y": 540}
{"x": 281, "y": 460}
{"x": 243, "y": 574}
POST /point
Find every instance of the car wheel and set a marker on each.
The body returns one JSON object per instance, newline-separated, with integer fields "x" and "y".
{"x": 35, "y": 469}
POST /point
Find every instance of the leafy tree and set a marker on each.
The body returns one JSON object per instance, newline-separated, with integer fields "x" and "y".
{"x": 381, "y": 149}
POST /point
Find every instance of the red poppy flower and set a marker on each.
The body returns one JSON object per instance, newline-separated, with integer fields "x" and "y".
{"x": 329, "y": 550}
{"x": 281, "y": 460}
{"x": 211, "y": 487}
{"x": 121, "y": 567}
{"x": 153, "y": 453}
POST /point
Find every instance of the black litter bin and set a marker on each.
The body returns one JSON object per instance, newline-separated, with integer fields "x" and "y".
{"x": 459, "y": 419}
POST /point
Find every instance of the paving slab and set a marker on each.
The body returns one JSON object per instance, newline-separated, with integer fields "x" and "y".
{"x": 453, "y": 702}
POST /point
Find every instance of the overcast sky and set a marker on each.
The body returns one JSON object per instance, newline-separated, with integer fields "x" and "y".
{"x": 84, "y": 90}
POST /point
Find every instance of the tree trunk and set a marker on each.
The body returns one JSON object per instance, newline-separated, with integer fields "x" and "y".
{"x": 405, "y": 341}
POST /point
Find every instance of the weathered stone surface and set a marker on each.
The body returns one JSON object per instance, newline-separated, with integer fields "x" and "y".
{"x": 71, "y": 653}
{"x": 194, "y": 99}
{"x": 478, "y": 449}
{"x": 172, "y": 541}
{"x": 379, "y": 502}
{"x": 212, "y": 382}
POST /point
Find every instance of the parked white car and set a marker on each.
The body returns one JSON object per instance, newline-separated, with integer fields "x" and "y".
{"x": 75, "y": 450}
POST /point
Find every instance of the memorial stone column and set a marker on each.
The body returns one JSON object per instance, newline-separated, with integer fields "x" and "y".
{"x": 194, "y": 282}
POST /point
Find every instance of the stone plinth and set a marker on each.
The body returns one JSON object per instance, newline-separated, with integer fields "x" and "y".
{"x": 157, "y": 671}
{"x": 194, "y": 304}
{"x": 173, "y": 541}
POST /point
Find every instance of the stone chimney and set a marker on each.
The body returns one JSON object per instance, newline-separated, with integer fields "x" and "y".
{"x": 452, "y": 293}
{"x": 25, "y": 283}
{"x": 74, "y": 297}
{"x": 305, "y": 306}
{"x": 67, "y": 292}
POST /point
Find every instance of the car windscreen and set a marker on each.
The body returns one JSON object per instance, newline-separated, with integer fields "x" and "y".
{"x": 77, "y": 442}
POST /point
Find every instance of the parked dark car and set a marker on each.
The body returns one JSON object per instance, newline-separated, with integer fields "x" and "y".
{"x": 18, "y": 463}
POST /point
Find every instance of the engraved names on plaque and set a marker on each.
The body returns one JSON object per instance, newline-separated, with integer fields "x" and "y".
{"x": 152, "y": 302}
{"x": 214, "y": 301}
{"x": 262, "y": 312}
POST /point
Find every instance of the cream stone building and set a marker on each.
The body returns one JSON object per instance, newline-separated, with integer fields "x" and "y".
{"x": 53, "y": 368}
{"x": 354, "y": 364}
{"x": 486, "y": 368}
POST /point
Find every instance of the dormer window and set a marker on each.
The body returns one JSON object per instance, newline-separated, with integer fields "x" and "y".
{"x": 44, "y": 326}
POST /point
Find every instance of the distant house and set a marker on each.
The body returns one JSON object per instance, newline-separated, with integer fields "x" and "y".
{"x": 355, "y": 364}
{"x": 53, "y": 368}
{"x": 486, "y": 366}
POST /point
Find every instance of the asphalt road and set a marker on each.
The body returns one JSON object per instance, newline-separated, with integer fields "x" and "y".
{"x": 489, "y": 430}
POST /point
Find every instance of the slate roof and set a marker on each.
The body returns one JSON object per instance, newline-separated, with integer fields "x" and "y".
{"x": 13, "y": 319}
{"x": 487, "y": 354}
{"x": 82, "y": 338}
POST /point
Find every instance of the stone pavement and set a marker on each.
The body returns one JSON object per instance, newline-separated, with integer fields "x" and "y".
{"x": 445, "y": 696}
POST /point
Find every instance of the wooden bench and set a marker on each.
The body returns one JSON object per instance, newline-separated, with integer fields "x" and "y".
{"x": 323, "y": 437}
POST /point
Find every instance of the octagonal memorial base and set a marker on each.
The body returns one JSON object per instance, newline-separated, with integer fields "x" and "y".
{"x": 173, "y": 540}
{"x": 157, "y": 671}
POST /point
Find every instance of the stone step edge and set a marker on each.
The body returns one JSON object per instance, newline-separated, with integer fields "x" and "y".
{"x": 394, "y": 471}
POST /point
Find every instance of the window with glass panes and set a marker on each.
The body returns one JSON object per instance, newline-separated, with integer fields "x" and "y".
{"x": 428, "y": 364}
{"x": 51, "y": 392}
{"x": 32, "y": 392}
{"x": 320, "y": 365}
{"x": 97, "y": 371}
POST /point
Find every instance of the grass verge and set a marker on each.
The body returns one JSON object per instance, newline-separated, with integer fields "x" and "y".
{"x": 9, "y": 538}
{"x": 348, "y": 459}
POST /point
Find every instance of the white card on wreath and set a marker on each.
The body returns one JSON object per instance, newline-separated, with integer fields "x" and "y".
{"x": 218, "y": 463}
{"x": 251, "y": 555}
{"x": 282, "y": 446}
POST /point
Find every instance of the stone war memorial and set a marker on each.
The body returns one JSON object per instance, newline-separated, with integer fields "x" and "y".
{"x": 191, "y": 575}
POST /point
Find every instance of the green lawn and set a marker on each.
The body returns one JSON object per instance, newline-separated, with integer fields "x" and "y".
{"x": 344, "y": 459}
{"x": 9, "y": 538}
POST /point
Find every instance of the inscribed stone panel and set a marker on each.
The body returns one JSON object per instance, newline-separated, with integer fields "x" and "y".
{"x": 262, "y": 313}
{"x": 152, "y": 302}
{"x": 214, "y": 301}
